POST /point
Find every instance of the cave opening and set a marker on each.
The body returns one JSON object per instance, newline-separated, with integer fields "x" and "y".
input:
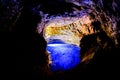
{"x": 63, "y": 37}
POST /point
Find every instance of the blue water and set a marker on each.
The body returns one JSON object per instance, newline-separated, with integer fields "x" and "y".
{"x": 64, "y": 56}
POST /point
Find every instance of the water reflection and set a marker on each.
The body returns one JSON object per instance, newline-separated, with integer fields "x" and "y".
{"x": 64, "y": 56}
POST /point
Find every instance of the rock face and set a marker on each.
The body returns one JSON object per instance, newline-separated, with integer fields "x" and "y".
{"x": 68, "y": 29}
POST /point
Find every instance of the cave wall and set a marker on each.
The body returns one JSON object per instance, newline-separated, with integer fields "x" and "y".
{"x": 18, "y": 23}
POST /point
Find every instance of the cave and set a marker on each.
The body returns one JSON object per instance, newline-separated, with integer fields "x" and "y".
{"x": 61, "y": 39}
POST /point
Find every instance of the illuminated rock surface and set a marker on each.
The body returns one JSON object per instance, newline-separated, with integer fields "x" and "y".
{"x": 70, "y": 30}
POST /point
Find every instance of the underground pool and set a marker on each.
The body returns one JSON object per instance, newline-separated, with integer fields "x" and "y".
{"x": 63, "y": 56}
